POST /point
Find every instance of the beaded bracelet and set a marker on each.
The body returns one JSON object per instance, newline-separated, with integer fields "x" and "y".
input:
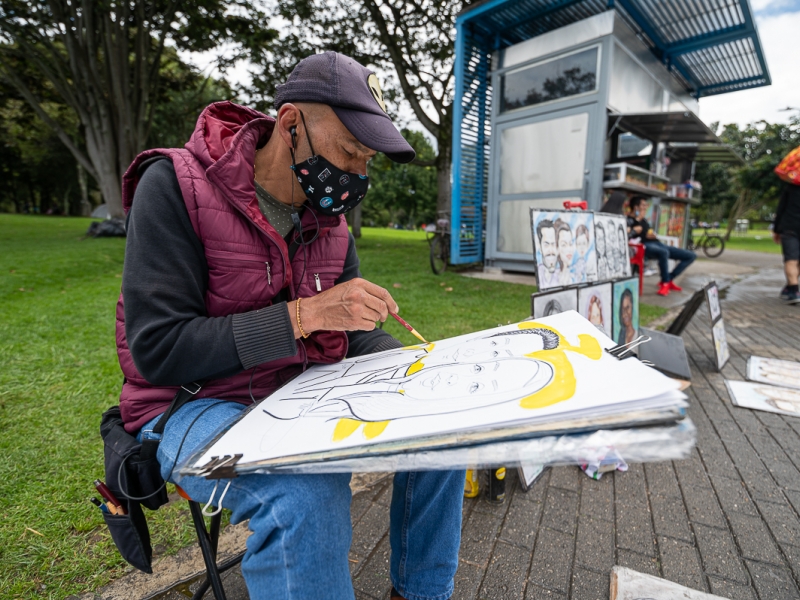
{"x": 299, "y": 324}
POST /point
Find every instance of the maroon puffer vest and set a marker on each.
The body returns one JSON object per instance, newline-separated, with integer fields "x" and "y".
{"x": 247, "y": 259}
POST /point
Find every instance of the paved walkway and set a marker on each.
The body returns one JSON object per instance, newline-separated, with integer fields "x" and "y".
{"x": 724, "y": 521}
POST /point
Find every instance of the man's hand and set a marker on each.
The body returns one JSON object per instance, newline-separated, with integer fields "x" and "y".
{"x": 776, "y": 237}
{"x": 355, "y": 305}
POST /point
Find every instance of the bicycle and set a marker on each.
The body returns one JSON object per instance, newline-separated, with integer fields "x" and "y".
{"x": 439, "y": 240}
{"x": 712, "y": 244}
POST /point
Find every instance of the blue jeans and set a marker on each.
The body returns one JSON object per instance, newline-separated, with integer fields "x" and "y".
{"x": 662, "y": 253}
{"x": 301, "y": 523}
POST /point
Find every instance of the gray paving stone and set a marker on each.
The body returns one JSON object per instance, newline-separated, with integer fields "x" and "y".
{"x": 478, "y": 538}
{"x": 731, "y": 590}
{"x": 638, "y": 562}
{"x": 703, "y": 506}
{"x": 568, "y": 478}
{"x": 771, "y": 581}
{"x": 534, "y": 592}
{"x": 719, "y": 554}
{"x": 691, "y": 474}
{"x": 680, "y": 563}
{"x": 370, "y": 529}
{"x": 634, "y": 530}
{"x": 594, "y": 547}
{"x": 753, "y": 539}
{"x": 560, "y": 510}
{"x": 597, "y": 498}
{"x": 507, "y": 573}
{"x": 467, "y": 579}
{"x": 732, "y": 495}
{"x": 767, "y": 448}
{"x": 669, "y": 517}
{"x": 373, "y": 579}
{"x": 521, "y": 522}
{"x": 588, "y": 585}
{"x": 630, "y": 486}
{"x": 785, "y": 474}
{"x": 552, "y": 559}
{"x": 782, "y": 521}
{"x": 662, "y": 480}
{"x": 717, "y": 462}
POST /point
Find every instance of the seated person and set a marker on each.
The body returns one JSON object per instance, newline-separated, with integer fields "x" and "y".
{"x": 240, "y": 273}
{"x": 639, "y": 227}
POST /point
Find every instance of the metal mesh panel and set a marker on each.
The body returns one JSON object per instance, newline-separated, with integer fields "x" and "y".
{"x": 475, "y": 96}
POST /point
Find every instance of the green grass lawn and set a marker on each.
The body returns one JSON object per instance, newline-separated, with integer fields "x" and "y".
{"x": 60, "y": 372}
{"x": 755, "y": 240}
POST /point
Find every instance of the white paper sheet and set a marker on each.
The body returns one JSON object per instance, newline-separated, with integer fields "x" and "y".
{"x": 774, "y": 371}
{"x": 760, "y": 396}
{"x": 535, "y": 371}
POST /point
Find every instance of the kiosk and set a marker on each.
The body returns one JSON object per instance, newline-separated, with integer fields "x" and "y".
{"x": 572, "y": 100}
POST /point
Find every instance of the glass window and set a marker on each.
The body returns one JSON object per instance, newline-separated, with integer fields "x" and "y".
{"x": 544, "y": 156}
{"x": 514, "y": 233}
{"x": 560, "y": 78}
{"x": 631, "y": 145}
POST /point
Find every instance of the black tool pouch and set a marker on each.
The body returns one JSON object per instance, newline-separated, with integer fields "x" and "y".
{"x": 133, "y": 475}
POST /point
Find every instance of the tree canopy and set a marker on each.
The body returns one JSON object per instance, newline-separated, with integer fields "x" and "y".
{"x": 105, "y": 61}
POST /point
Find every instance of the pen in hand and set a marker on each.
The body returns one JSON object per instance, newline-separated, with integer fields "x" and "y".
{"x": 413, "y": 331}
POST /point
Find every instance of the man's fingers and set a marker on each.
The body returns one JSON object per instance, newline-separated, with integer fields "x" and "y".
{"x": 382, "y": 294}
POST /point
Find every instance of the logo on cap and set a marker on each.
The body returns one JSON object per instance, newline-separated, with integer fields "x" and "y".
{"x": 375, "y": 88}
{"x": 326, "y": 202}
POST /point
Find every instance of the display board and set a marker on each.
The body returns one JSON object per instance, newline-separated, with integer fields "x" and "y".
{"x": 774, "y": 371}
{"x": 720, "y": 343}
{"x": 564, "y": 247}
{"x": 759, "y": 396}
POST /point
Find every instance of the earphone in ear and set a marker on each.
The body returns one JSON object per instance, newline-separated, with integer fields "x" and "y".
{"x": 293, "y": 132}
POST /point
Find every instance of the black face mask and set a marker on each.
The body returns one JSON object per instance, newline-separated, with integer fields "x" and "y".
{"x": 330, "y": 190}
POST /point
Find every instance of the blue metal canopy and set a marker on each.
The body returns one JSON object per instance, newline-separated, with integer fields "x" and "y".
{"x": 712, "y": 46}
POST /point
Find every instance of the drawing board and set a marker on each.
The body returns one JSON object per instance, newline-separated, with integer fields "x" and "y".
{"x": 720, "y": 343}
{"x": 759, "y": 396}
{"x": 594, "y": 305}
{"x": 712, "y": 299}
{"x": 774, "y": 371}
{"x": 625, "y": 310}
{"x": 611, "y": 241}
{"x": 488, "y": 385}
{"x": 563, "y": 247}
{"x": 553, "y": 303}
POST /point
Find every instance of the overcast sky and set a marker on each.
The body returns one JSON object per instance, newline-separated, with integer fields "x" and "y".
{"x": 778, "y": 23}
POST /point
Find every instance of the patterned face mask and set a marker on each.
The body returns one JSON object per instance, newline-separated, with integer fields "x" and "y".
{"x": 330, "y": 190}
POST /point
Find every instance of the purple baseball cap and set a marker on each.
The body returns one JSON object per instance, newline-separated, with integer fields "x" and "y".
{"x": 354, "y": 94}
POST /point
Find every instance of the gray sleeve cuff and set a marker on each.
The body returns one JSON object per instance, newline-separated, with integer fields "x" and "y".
{"x": 264, "y": 335}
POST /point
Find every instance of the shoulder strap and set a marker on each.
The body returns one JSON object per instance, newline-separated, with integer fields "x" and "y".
{"x": 183, "y": 395}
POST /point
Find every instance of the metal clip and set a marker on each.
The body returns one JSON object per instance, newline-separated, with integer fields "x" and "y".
{"x": 623, "y": 349}
{"x": 220, "y": 468}
{"x": 198, "y": 387}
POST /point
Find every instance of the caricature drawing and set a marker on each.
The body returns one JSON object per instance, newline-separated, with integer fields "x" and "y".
{"x": 527, "y": 366}
{"x": 602, "y": 262}
{"x": 566, "y": 252}
{"x": 547, "y": 274}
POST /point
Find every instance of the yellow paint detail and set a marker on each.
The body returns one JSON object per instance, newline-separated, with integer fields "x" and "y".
{"x": 345, "y": 428}
{"x": 414, "y": 368}
{"x": 374, "y": 429}
{"x": 500, "y": 473}
{"x": 563, "y": 385}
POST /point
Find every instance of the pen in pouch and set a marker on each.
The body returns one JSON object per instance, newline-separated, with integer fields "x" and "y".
{"x": 98, "y": 504}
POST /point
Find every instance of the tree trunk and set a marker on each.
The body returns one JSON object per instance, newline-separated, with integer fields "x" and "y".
{"x": 355, "y": 221}
{"x": 86, "y": 206}
{"x": 443, "y": 186}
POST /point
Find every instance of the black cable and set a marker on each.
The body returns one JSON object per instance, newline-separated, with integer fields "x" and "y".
{"x": 180, "y": 447}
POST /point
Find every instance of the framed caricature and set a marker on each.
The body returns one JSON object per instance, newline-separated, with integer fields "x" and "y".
{"x": 552, "y": 303}
{"x": 720, "y": 344}
{"x": 563, "y": 247}
{"x": 611, "y": 241}
{"x": 594, "y": 304}
{"x": 712, "y": 299}
{"x": 625, "y": 310}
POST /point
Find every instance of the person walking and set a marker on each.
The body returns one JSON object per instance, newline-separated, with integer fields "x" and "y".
{"x": 786, "y": 232}
{"x": 653, "y": 248}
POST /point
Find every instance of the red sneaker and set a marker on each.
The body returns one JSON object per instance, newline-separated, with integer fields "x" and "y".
{"x": 674, "y": 287}
{"x": 663, "y": 289}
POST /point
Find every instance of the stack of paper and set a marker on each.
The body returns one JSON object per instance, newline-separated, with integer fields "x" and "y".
{"x": 532, "y": 379}
{"x": 776, "y": 386}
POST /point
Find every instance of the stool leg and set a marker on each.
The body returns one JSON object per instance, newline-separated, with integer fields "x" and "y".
{"x": 209, "y": 551}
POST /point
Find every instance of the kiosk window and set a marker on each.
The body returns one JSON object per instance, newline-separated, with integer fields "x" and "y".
{"x": 630, "y": 145}
{"x": 560, "y": 78}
